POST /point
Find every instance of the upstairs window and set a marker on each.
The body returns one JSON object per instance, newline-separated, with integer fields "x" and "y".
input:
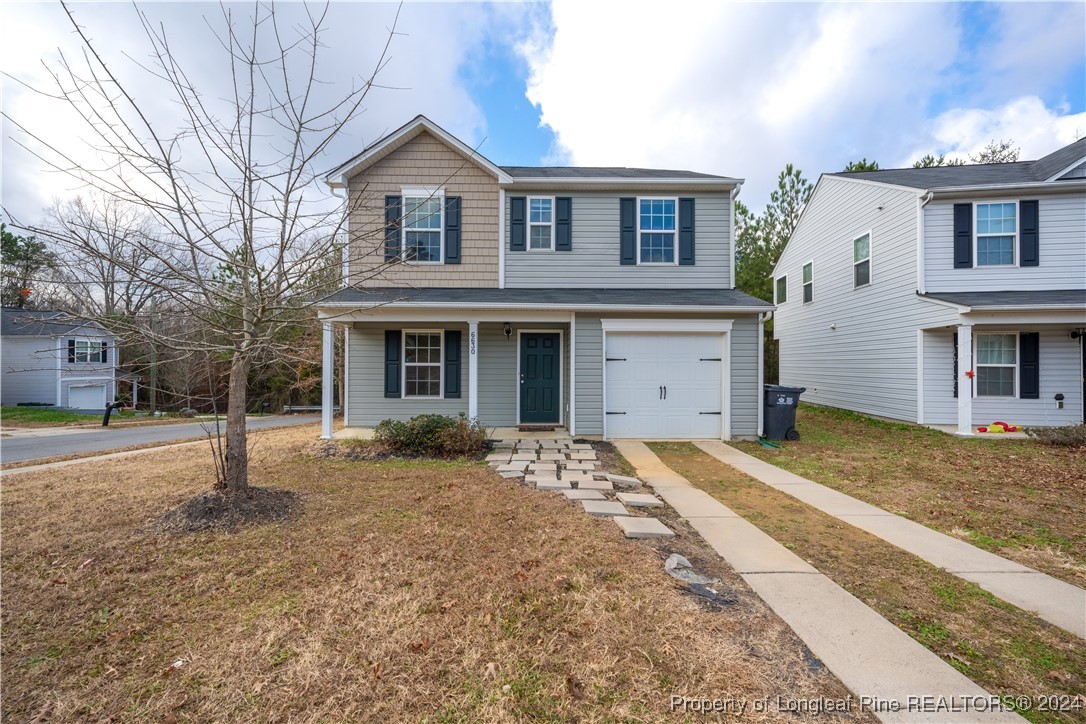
{"x": 997, "y": 364}
{"x": 808, "y": 282}
{"x": 87, "y": 351}
{"x": 656, "y": 231}
{"x": 422, "y": 228}
{"x": 997, "y": 227}
{"x": 541, "y": 224}
{"x": 861, "y": 261}
{"x": 782, "y": 290}
{"x": 422, "y": 364}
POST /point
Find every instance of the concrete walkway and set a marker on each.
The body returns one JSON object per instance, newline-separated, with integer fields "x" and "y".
{"x": 870, "y": 655}
{"x": 1055, "y": 601}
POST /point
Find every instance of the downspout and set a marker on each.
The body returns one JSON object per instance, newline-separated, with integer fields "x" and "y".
{"x": 921, "y": 202}
{"x": 731, "y": 215}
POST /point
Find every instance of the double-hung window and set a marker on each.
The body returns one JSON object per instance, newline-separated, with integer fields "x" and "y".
{"x": 782, "y": 289}
{"x": 656, "y": 230}
{"x": 422, "y": 227}
{"x": 808, "y": 282}
{"x": 861, "y": 261}
{"x": 86, "y": 350}
{"x": 997, "y": 227}
{"x": 541, "y": 224}
{"x": 422, "y": 364}
{"x": 997, "y": 364}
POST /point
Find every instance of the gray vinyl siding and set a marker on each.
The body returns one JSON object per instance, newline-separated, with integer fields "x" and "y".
{"x": 855, "y": 348}
{"x": 594, "y": 258}
{"x": 1062, "y": 250}
{"x": 1060, "y": 370}
{"x": 497, "y": 377}
{"x": 30, "y": 370}
{"x": 367, "y": 404}
{"x": 745, "y": 392}
{"x": 589, "y": 376}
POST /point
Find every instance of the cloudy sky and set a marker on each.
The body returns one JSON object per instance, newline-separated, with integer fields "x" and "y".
{"x": 738, "y": 89}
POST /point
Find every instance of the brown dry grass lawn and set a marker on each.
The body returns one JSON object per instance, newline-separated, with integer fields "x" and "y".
{"x": 1017, "y": 498}
{"x": 407, "y": 591}
{"x": 1006, "y": 650}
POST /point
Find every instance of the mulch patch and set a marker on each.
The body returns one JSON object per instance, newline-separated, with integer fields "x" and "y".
{"x": 225, "y": 513}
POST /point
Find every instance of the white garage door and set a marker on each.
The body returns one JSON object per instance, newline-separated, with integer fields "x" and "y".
{"x": 664, "y": 385}
{"x": 87, "y": 397}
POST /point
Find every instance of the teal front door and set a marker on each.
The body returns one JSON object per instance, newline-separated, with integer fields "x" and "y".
{"x": 540, "y": 375}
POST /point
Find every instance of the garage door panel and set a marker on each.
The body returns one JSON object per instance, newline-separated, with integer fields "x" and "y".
{"x": 87, "y": 397}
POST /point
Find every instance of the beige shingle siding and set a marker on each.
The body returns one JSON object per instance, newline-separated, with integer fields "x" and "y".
{"x": 425, "y": 162}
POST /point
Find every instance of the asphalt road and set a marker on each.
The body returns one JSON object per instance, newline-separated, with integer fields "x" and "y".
{"x": 32, "y": 444}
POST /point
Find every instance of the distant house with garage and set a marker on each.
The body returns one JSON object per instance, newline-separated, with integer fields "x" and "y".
{"x": 600, "y": 300}
{"x": 48, "y": 358}
{"x": 951, "y": 295}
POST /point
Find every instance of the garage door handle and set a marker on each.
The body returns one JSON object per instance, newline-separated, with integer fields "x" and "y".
{"x": 710, "y": 359}
{"x": 708, "y": 413}
{"x": 616, "y": 413}
{"x": 616, "y": 359}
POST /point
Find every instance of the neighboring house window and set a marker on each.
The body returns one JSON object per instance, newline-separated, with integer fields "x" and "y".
{"x": 997, "y": 226}
{"x": 808, "y": 282}
{"x": 541, "y": 223}
{"x": 656, "y": 230}
{"x": 422, "y": 227}
{"x": 782, "y": 290}
{"x": 422, "y": 364}
{"x": 997, "y": 364}
{"x": 861, "y": 261}
{"x": 86, "y": 350}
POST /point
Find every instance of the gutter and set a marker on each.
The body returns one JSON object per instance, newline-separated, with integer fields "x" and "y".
{"x": 1034, "y": 186}
{"x": 536, "y": 307}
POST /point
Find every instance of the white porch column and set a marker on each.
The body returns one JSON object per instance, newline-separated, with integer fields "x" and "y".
{"x": 473, "y": 370}
{"x": 328, "y": 365}
{"x": 571, "y": 424}
{"x": 965, "y": 382}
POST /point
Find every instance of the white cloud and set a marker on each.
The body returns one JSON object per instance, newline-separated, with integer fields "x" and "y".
{"x": 743, "y": 89}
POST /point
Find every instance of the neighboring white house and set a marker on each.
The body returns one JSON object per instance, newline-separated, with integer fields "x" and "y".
{"x": 949, "y": 295}
{"x": 601, "y": 300}
{"x": 48, "y": 361}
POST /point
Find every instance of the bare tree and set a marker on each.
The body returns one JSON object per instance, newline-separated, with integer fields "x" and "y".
{"x": 245, "y": 232}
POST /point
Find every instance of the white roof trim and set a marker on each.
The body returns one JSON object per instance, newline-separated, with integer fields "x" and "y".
{"x": 532, "y": 306}
{"x": 337, "y": 177}
{"x": 1076, "y": 185}
{"x": 622, "y": 181}
{"x": 1056, "y": 177}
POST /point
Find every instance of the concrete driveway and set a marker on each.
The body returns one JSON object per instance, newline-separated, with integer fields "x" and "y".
{"x": 17, "y": 445}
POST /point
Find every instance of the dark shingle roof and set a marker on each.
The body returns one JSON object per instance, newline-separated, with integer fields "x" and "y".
{"x": 989, "y": 174}
{"x": 15, "y": 322}
{"x": 1064, "y": 298}
{"x": 544, "y": 298}
{"x": 618, "y": 172}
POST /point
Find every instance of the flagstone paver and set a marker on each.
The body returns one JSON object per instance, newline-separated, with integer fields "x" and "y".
{"x": 577, "y": 465}
{"x": 639, "y": 500}
{"x": 552, "y": 485}
{"x": 623, "y": 480}
{"x": 595, "y": 485}
{"x": 511, "y": 474}
{"x": 514, "y": 467}
{"x": 524, "y": 456}
{"x": 543, "y": 468}
{"x": 604, "y": 507}
{"x": 581, "y": 455}
{"x": 582, "y": 494}
{"x": 498, "y": 457}
{"x": 643, "y": 527}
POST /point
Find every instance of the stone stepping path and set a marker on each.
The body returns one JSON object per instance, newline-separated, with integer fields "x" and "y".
{"x": 561, "y": 465}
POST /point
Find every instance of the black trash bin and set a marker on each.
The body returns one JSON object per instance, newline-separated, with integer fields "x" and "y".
{"x": 780, "y": 405}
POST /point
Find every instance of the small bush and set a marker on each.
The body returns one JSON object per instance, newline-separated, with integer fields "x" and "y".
{"x": 435, "y": 435}
{"x": 1069, "y": 435}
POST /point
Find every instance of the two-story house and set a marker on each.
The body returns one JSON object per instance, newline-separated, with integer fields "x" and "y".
{"x": 596, "y": 299}
{"x": 50, "y": 359}
{"x": 944, "y": 296}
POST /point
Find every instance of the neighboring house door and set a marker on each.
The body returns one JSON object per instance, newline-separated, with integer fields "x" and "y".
{"x": 87, "y": 397}
{"x": 664, "y": 385}
{"x": 540, "y": 378}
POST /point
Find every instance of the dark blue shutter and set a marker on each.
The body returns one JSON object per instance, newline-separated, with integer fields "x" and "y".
{"x": 627, "y": 223}
{"x": 393, "y": 212}
{"x": 452, "y": 229}
{"x": 71, "y": 351}
{"x": 105, "y": 356}
{"x": 1029, "y": 366}
{"x": 452, "y": 363}
{"x": 563, "y": 224}
{"x": 686, "y": 232}
{"x": 956, "y": 375}
{"x": 963, "y": 236}
{"x": 392, "y": 362}
{"x": 517, "y": 223}
{"x": 1029, "y": 251}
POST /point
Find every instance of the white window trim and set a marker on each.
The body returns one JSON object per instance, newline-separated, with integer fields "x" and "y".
{"x": 1014, "y": 236}
{"x": 440, "y": 365}
{"x": 803, "y": 284}
{"x": 675, "y": 234}
{"x": 870, "y": 266}
{"x": 91, "y": 343}
{"x": 528, "y": 240}
{"x": 777, "y": 301}
{"x": 439, "y": 194}
{"x": 1017, "y": 362}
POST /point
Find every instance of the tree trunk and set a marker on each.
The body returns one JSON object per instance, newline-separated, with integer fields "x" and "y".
{"x": 237, "y": 454}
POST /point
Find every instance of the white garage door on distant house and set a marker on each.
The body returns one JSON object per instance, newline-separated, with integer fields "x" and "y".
{"x": 87, "y": 397}
{"x": 663, "y": 385}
